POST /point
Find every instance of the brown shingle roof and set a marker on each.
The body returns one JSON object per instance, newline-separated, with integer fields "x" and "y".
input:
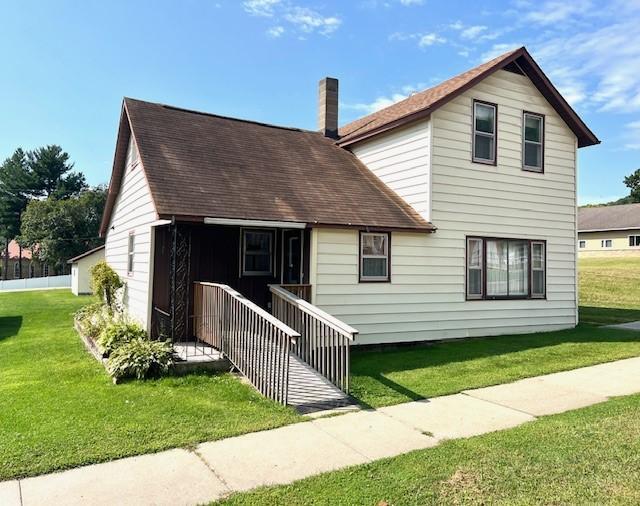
{"x": 201, "y": 165}
{"x": 623, "y": 217}
{"x": 422, "y": 104}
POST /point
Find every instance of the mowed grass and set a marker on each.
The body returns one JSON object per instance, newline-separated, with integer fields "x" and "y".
{"x": 381, "y": 378}
{"x": 588, "y": 456}
{"x": 609, "y": 290}
{"x": 59, "y": 409}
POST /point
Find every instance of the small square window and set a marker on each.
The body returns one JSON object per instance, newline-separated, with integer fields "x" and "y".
{"x": 582, "y": 244}
{"x": 606, "y": 243}
{"x": 374, "y": 256}
{"x": 257, "y": 252}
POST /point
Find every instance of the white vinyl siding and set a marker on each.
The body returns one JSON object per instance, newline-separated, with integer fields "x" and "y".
{"x": 80, "y": 276}
{"x": 401, "y": 160}
{"x": 133, "y": 212}
{"x": 426, "y": 298}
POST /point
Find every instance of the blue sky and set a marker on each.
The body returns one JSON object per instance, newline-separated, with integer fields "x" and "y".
{"x": 67, "y": 64}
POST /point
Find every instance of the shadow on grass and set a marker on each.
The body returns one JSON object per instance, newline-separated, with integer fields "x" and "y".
{"x": 608, "y": 315}
{"x": 378, "y": 363}
{"x": 9, "y": 326}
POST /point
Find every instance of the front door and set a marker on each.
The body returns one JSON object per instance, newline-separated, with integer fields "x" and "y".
{"x": 292, "y": 256}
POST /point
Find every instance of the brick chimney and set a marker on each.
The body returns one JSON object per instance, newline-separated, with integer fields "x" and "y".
{"x": 328, "y": 107}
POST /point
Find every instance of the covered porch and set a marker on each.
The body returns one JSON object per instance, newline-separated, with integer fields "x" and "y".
{"x": 241, "y": 293}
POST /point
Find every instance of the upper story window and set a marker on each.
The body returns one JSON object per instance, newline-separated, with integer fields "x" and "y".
{"x": 374, "y": 256}
{"x": 582, "y": 244}
{"x": 484, "y": 132}
{"x": 533, "y": 142}
{"x": 133, "y": 156}
{"x": 634, "y": 240}
{"x": 130, "y": 253}
{"x": 257, "y": 252}
{"x": 606, "y": 243}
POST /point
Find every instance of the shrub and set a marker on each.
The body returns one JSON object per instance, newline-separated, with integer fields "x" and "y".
{"x": 117, "y": 334}
{"x": 105, "y": 282}
{"x": 140, "y": 358}
{"x": 93, "y": 318}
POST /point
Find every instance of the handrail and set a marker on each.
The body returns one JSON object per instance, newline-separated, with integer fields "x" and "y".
{"x": 254, "y": 307}
{"x": 346, "y": 330}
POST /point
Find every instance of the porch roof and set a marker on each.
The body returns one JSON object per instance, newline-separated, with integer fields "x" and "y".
{"x": 201, "y": 165}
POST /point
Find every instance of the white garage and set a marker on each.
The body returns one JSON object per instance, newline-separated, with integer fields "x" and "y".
{"x": 80, "y": 267}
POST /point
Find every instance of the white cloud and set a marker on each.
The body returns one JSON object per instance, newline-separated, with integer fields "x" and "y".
{"x": 303, "y": 20}
{"x": 260, "y": 7}
{"x": 407, "y": 3}
{"x": 496, "y": 50}
{"x": 385, "y": 101}
{"x": 429, "y": 39}
{"x": 275, "y": 31}
{"x": 472, "y": 32}
{"x": 556, "y": 11}
{"x": 604, "y": 62}
{"x": 633, "y": 135}
{"x": 309, "y": 20}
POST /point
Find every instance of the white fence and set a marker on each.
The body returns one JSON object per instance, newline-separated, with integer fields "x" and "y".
{"x": 36, "y": 283}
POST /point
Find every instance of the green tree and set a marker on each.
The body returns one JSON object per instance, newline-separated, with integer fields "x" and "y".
{"x": 16, "y": 186}
{"x": 633, "y": 183}
{"x": 56, "y": 230}
{"x": 52, "y": 174}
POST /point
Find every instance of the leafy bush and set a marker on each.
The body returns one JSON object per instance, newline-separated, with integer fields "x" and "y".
{"x": 105, "y": 282}
{"x": 140, "y": 358}
{"x": 94, "y": 318}
{"x": 117, "y": 334}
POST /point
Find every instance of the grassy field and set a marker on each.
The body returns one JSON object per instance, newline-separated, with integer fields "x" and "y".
{"x": 588, "y": 456}
{"x": 405, "y": 374}
{"x": 609, "y": 290}
{"x": 59, "y": 409}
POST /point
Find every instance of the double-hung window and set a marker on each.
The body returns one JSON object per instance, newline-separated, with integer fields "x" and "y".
{"x": 533, "y": 142}
{"x": 634, "y": 240}
{"x": 257, "y": 252}
{"x": 484, "y": 132}
{"x": 374, "y": 256}
{"x": 505, "y": 268}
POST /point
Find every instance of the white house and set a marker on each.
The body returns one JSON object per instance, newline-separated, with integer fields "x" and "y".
{"x": 80, "y": 267}
{"x": 449, "y": 214}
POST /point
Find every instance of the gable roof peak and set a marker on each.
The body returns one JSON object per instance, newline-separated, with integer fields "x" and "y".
{"x": 422, "y": 104}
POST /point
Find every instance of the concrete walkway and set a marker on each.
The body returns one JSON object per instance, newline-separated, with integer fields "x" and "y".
{"x": 213, "y": 470}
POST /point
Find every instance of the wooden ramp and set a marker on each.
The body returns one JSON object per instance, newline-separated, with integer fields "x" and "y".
{"x": 310, "y": 392}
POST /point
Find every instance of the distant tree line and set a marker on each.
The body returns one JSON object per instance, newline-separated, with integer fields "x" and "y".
{"x": 48, "y": 207}
{"x": 632, "y": 182}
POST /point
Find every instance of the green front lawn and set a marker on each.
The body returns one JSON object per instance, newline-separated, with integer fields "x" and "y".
{"x": 381, "y": 378}
{"x": 609, "y": 290}
{"x": 59, "y": 409}
{"x": 589, "y": 456}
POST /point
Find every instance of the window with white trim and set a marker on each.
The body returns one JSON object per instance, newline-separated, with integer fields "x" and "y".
{"x": 606, "y": 243}
{"x": 484, "y": 132}
{"x": 374, "y": 256}
{"x": 131, "y": 247}
{"x": 634, "y": 240}
{"x": 582, "y": 244}
{"x": 533, "y": 142}
{"x": 505, "y": 268}
{"x": 257, "y": 252}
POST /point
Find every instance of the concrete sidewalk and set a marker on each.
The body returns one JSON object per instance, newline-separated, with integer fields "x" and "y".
{"x": 283, "y": 455}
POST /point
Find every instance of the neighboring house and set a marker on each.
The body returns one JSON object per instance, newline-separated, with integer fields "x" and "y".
{"x": 31, "y": 268}
{"x": 609, "y": 230}
{"x": 80, "y": 267}
{"x": 449, "y": 214}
